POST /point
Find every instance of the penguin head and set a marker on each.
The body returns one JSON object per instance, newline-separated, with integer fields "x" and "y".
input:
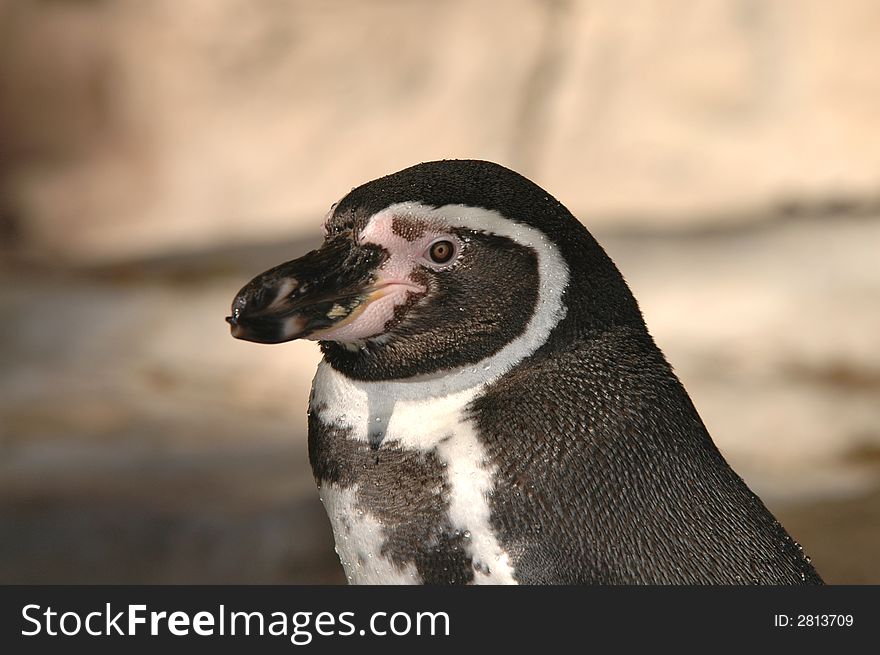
{"x": 443, "y": 265}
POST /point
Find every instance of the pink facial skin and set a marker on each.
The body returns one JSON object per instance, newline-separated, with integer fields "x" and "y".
{"x": 394, "y": 283}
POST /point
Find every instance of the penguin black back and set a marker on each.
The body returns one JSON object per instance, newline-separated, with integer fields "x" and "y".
{"x": 641, "y": 495}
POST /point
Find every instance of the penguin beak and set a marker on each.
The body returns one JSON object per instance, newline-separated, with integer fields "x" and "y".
{"x": 304, "y": 297}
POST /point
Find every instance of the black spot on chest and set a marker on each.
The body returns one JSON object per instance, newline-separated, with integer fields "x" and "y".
{"x": 407, "y": 491}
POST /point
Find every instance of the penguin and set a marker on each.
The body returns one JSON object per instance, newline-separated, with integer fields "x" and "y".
{"x": 490, "y": 407}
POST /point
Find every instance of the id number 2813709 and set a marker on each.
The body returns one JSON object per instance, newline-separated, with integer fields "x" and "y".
{"x": 813, "y": 621}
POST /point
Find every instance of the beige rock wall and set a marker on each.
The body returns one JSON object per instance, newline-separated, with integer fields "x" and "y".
{"x": 137, "y": 128}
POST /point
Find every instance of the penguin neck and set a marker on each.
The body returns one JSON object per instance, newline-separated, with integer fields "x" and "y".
{"x": 402, "y": 407}
{"x": 417, "y": 413}
{"x": 468, "y": 378}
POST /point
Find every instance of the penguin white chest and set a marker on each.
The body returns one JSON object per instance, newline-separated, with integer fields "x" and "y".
{"x": 405, "y": 483}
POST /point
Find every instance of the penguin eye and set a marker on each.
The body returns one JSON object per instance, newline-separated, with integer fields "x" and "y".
{"x": 442, "y": 251}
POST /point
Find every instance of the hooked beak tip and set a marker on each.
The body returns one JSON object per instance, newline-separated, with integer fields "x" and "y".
{"x": 235, "y": 328}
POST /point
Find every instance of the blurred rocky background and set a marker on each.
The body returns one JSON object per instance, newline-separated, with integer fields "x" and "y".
{"x": 156, "y": 155}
